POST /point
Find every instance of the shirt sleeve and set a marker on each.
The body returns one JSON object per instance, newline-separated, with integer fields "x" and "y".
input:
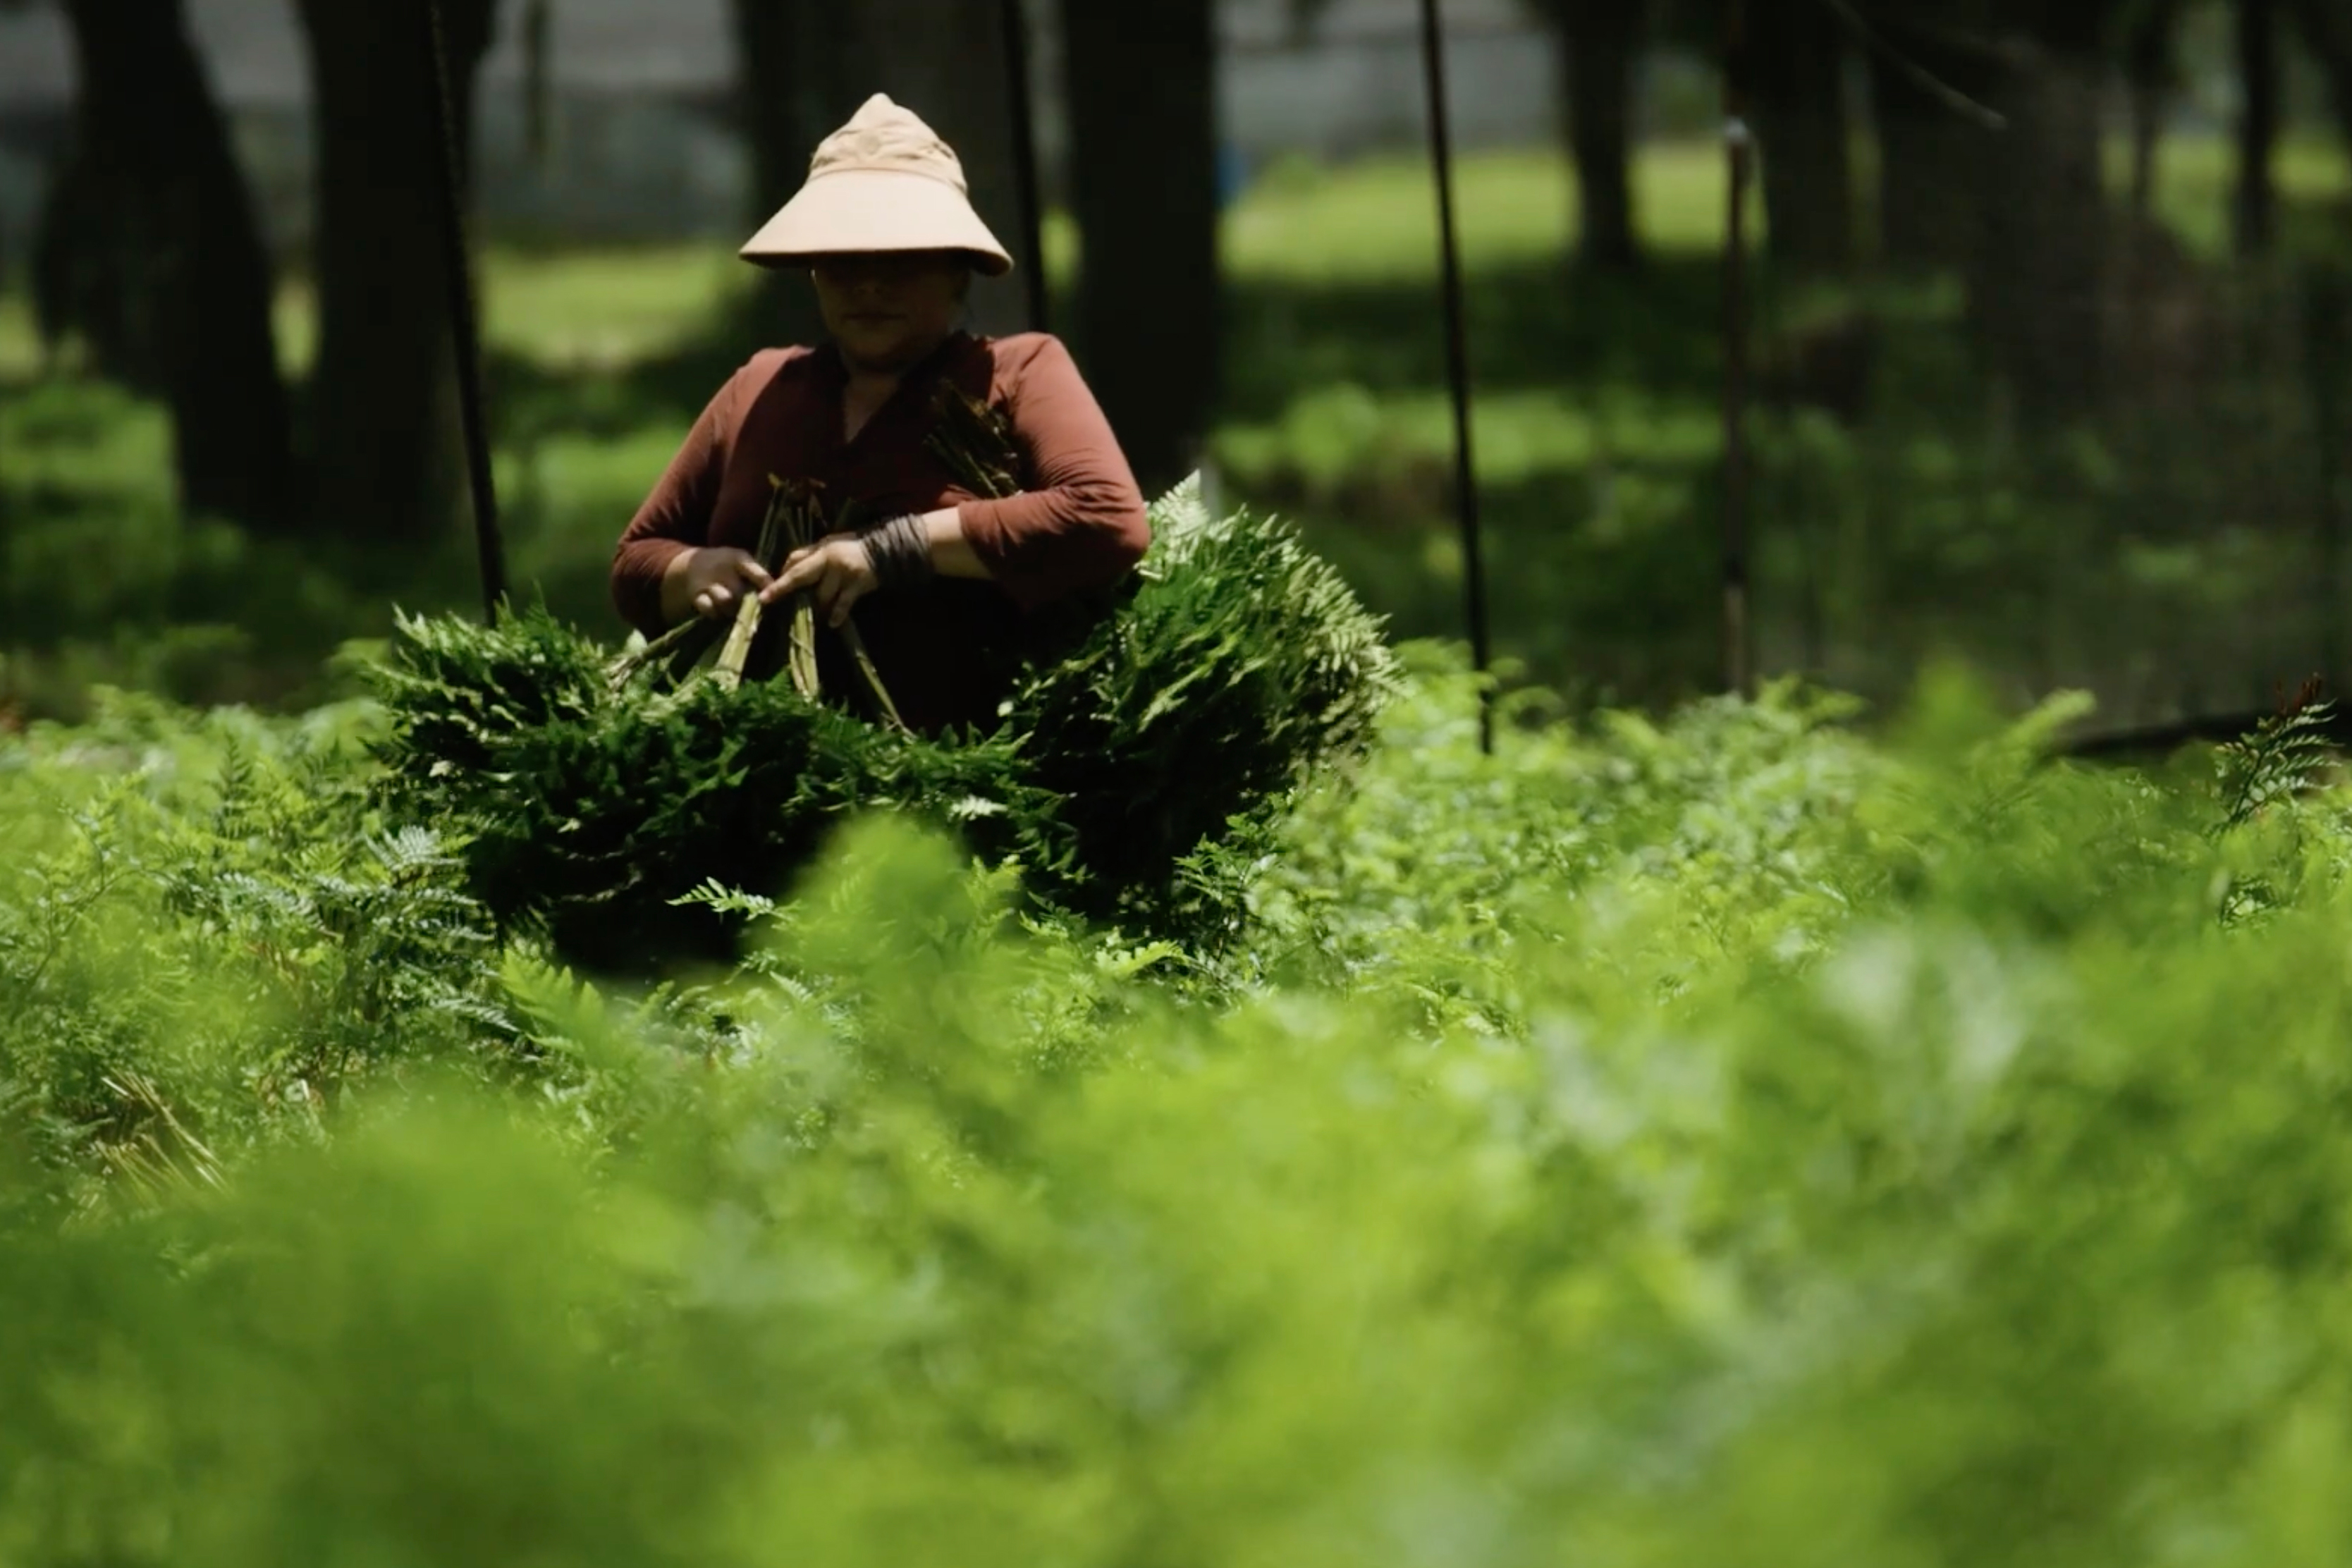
{"x": 1081, "y": 524}
{"x": 677, "y": 516}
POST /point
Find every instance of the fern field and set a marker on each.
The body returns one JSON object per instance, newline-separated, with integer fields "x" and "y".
{"x": 1723, "y": 1140}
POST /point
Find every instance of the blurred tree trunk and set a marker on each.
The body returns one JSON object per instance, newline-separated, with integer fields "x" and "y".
{"x": 2039, "y": 270}
{"x": 2153, "y": 74}
{"x": 1140, "y": 84}
{"x": 1933, "y": 162}
{"x": 2254, "y": 211}
{"x": 2326, "y": 28}
{"x": 1797, "y": 84}
{"x": 538, "y": 83}
{"x": 792, "y": 73}
{"x": 151, "y": 249}
{"x": 387, "y": 462}
{"x": 1598, "y": 46}
{"x": 804, "y": 67}
{"x": 784, "y": 50}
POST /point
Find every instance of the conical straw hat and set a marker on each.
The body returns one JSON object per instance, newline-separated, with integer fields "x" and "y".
{"x": 883, "y": 182}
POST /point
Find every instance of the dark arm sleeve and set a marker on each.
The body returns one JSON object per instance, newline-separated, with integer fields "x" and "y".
{"x": 1081, "y": 524}
{"x": 677, "y": 516}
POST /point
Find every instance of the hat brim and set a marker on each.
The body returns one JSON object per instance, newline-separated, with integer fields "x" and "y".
{"x": 858, "y": 212}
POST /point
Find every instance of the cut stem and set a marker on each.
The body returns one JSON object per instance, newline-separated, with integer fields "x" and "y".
{"x": 801, "y": 657}
{"x": 677, "y": 639}
{"x": 729, "y": 671}
{"x": 865, "y": 661}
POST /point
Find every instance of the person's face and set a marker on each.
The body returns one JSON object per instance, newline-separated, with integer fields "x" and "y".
{"x": 886, "y": 311}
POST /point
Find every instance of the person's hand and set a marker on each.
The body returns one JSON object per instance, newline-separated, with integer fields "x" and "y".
{"x": 836, "y": 572}
{"x": 709, "y": 580}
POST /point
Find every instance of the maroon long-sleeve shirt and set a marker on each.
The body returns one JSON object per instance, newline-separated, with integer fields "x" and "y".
{"x": 1077, "y": 526}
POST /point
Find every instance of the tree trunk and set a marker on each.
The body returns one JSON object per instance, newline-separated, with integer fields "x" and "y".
{"x": 1796, "y": 63}
{"x": 803, "y": 68}
{"x": 1143, "y": 181}
{"x": 789, "y": 60}
{"x": 2039, "y": 273}
{"x": 152, "y": 250}
{"x": 1599, "y": 44}
{"x": 2326, "y": 29}
{"x": 1934, "y": 164}
{"x": 538, "y": 83}
{"x": 781, "y": 48}
{"x": 2153, "y": 75}
{"x": 2254, "y": 211}
{"x": 388, "y": 463}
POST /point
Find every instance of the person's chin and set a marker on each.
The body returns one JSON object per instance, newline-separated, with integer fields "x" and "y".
{"x": 884, "y": 350}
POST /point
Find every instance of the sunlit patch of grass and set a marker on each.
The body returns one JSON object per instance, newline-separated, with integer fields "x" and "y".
{"x": 1331, "y": 434}
{"x": 1377, "y": 218}
{"x": 20, "y": 346}
{"x": 604, "y": 308}
{"x": 89, "y": 439}
{"x": 2197, "y": 176}
{"x": 567, "y": 498}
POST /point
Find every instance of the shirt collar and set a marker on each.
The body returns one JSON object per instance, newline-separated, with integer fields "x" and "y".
{"x": 836, "y": 369}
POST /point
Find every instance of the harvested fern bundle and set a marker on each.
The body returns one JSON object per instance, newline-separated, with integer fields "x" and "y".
{"x": 595, "y": 823}
{"x": 1132, "y": 753}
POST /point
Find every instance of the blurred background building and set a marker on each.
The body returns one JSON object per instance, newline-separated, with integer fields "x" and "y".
{"x": 2067, "y": 399}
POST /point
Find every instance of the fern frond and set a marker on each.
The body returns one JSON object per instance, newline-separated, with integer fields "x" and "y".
{"x": 2278, "y": 759}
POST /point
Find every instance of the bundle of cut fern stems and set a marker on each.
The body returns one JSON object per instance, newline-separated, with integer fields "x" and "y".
{"x": 1147, "y": 748}
{"x": 795, "y": 520}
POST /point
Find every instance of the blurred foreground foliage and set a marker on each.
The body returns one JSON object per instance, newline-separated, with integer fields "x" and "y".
{"x": 1717, "y": 1139}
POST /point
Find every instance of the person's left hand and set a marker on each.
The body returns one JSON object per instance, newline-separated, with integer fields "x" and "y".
{"x": 836, "y": 572}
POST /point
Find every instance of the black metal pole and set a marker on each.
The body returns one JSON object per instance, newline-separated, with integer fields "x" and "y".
{"x": 1458, "y": 362}
{"x": 464, "y": 332}
{"x": 1024, "y": 157}
{"x": 1740, "y": 144}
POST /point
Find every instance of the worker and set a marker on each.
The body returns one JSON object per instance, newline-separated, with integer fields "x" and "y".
{"x": 940, "y": 580}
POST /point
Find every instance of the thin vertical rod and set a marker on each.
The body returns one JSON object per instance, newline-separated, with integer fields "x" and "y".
{"x": 1024, "y": 157}
{"x": 1457, "y": 363}
{"x": 464, "y": 332}
{"x": 1739, "y": 146}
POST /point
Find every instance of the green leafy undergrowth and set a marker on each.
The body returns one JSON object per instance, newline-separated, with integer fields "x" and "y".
{"x": 1135, "y": 777}
{"x": 1716, "y": 1140}
{"x": 206, "y": 933}
{"x": 212, "y": 937}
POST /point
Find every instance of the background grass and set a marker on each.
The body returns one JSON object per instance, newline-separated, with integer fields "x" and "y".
{"x": 1370, "y": 221}
{"x": 1596, "y": 425}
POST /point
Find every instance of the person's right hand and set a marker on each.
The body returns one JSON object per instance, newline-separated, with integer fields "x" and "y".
{"x": 709, "y": 582}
